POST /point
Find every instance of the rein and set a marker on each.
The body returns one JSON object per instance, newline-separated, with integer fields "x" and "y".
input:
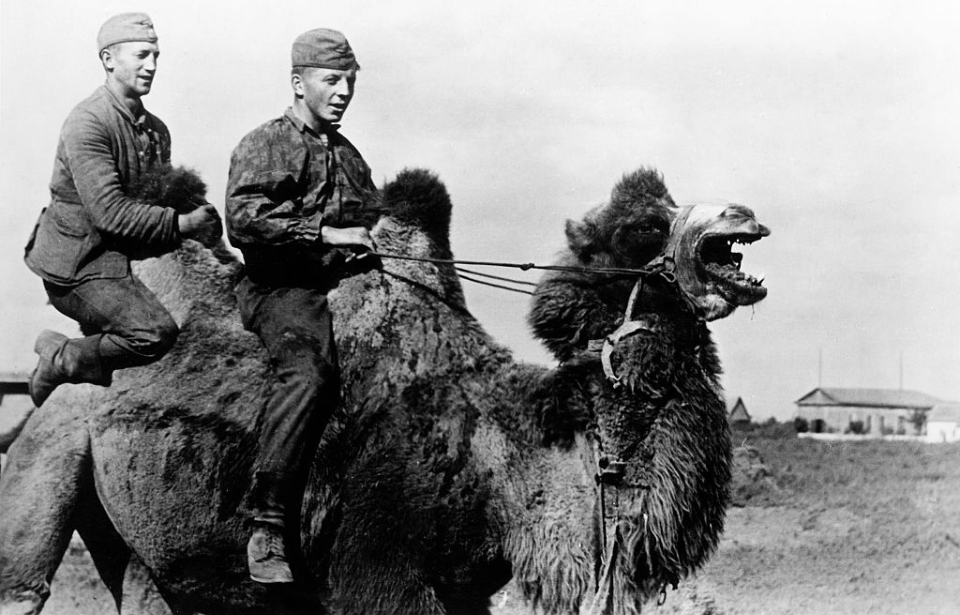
{"x": 664, "y": 266}
{"x": 521, "y": 266}
{"x": 466, "y": 274}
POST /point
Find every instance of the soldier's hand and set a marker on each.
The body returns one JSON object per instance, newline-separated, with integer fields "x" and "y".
{"x": 357, "y": 237}
{"x": 202, "y": 224}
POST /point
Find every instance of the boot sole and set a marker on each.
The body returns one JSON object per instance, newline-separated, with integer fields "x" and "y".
{"x": 270, "y": 580}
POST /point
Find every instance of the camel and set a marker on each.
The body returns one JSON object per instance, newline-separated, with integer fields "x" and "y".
{"x": 449, "y": 467}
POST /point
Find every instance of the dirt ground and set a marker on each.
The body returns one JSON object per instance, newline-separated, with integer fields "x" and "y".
{"x": 841, "y": 528}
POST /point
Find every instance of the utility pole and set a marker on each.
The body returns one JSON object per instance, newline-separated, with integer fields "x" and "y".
{"x": 819, "y": 368}
{"x": 901, "y": 370}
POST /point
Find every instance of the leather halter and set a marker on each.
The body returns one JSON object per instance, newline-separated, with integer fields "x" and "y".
{"x": 664, "y": 266}
{"x": 610, "y": 469}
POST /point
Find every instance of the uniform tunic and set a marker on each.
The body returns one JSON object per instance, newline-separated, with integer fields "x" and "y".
{"x": 286, "y": 181}
{"x": 82, "y": 243}
{"x": 103, "y": 149}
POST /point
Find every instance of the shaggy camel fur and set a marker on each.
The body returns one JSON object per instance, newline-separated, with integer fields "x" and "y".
{"x": 572, "y": 308}
{"x": 449, "y": 467}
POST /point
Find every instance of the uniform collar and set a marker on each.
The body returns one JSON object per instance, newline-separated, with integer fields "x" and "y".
{"x": 137, "y": 120}
{"x": 303, "y": 127}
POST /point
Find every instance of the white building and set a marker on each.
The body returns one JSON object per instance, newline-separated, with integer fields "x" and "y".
{"x": 875, "y": 412}
{"x": 943, "y": 423}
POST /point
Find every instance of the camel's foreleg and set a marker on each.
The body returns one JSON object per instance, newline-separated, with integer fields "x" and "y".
{"x": 109, "y": 553}
{"x": 124, "y": 574}
{"x": 140, "y": 593}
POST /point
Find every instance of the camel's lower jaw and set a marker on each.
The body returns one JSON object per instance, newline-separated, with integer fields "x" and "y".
{"x": 722, "y": 298}
{"x": 713, "y": 306}
{"x": 734, "y": 285}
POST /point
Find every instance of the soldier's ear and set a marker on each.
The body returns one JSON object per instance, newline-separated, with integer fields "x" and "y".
{"x": 296, "y": 82}
{"x": 106, "y": 58}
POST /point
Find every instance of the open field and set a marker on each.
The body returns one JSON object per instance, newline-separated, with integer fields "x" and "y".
{"x": 855, "y": 527}
{"x": 866, "y": 527}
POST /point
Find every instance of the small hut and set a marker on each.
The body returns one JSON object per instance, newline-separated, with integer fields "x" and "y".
{"x": 737, "y": 412}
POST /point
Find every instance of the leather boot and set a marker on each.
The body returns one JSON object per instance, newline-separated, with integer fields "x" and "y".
{"x": 47, "y": 376}
{"x": 266, "y": 556}
{"x": 64, "y": 360}
{"x": 81, "y": 360}
{"x": 266, "y": 503}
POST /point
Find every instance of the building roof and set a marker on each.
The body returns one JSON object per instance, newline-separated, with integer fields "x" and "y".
{"x": 737, "y": 410}
{"x": 946, "y": 413}
{"x": 875, "y": 398}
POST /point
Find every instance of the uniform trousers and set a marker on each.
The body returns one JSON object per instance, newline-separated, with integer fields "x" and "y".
{"x": 124, "y": 324}
{"x": 296, "y": 327}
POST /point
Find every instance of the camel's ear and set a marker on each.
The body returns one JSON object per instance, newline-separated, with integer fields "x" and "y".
{"x": 582, "y": 238}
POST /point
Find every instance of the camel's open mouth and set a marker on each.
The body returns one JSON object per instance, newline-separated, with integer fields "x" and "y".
{"x": 719, "y": 266}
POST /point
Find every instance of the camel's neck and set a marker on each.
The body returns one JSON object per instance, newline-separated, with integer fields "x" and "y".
{"x": 667, "y": 420}
{"x": 550, "y": 540}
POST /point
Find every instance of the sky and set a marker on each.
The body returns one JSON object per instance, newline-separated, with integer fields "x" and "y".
{"x": 837, "y": 123}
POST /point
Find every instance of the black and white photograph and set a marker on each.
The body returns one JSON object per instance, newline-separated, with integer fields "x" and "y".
{"x": 490, "y": 308}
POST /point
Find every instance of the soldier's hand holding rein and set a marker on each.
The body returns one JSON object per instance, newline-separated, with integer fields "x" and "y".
{"x": 356, "y": 237}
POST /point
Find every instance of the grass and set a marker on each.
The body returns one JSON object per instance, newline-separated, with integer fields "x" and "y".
{"x": 855, "y": 527}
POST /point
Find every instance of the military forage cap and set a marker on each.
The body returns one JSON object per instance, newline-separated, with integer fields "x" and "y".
{"x": 323, "y": 48}
{"x": 125, "y": 28}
